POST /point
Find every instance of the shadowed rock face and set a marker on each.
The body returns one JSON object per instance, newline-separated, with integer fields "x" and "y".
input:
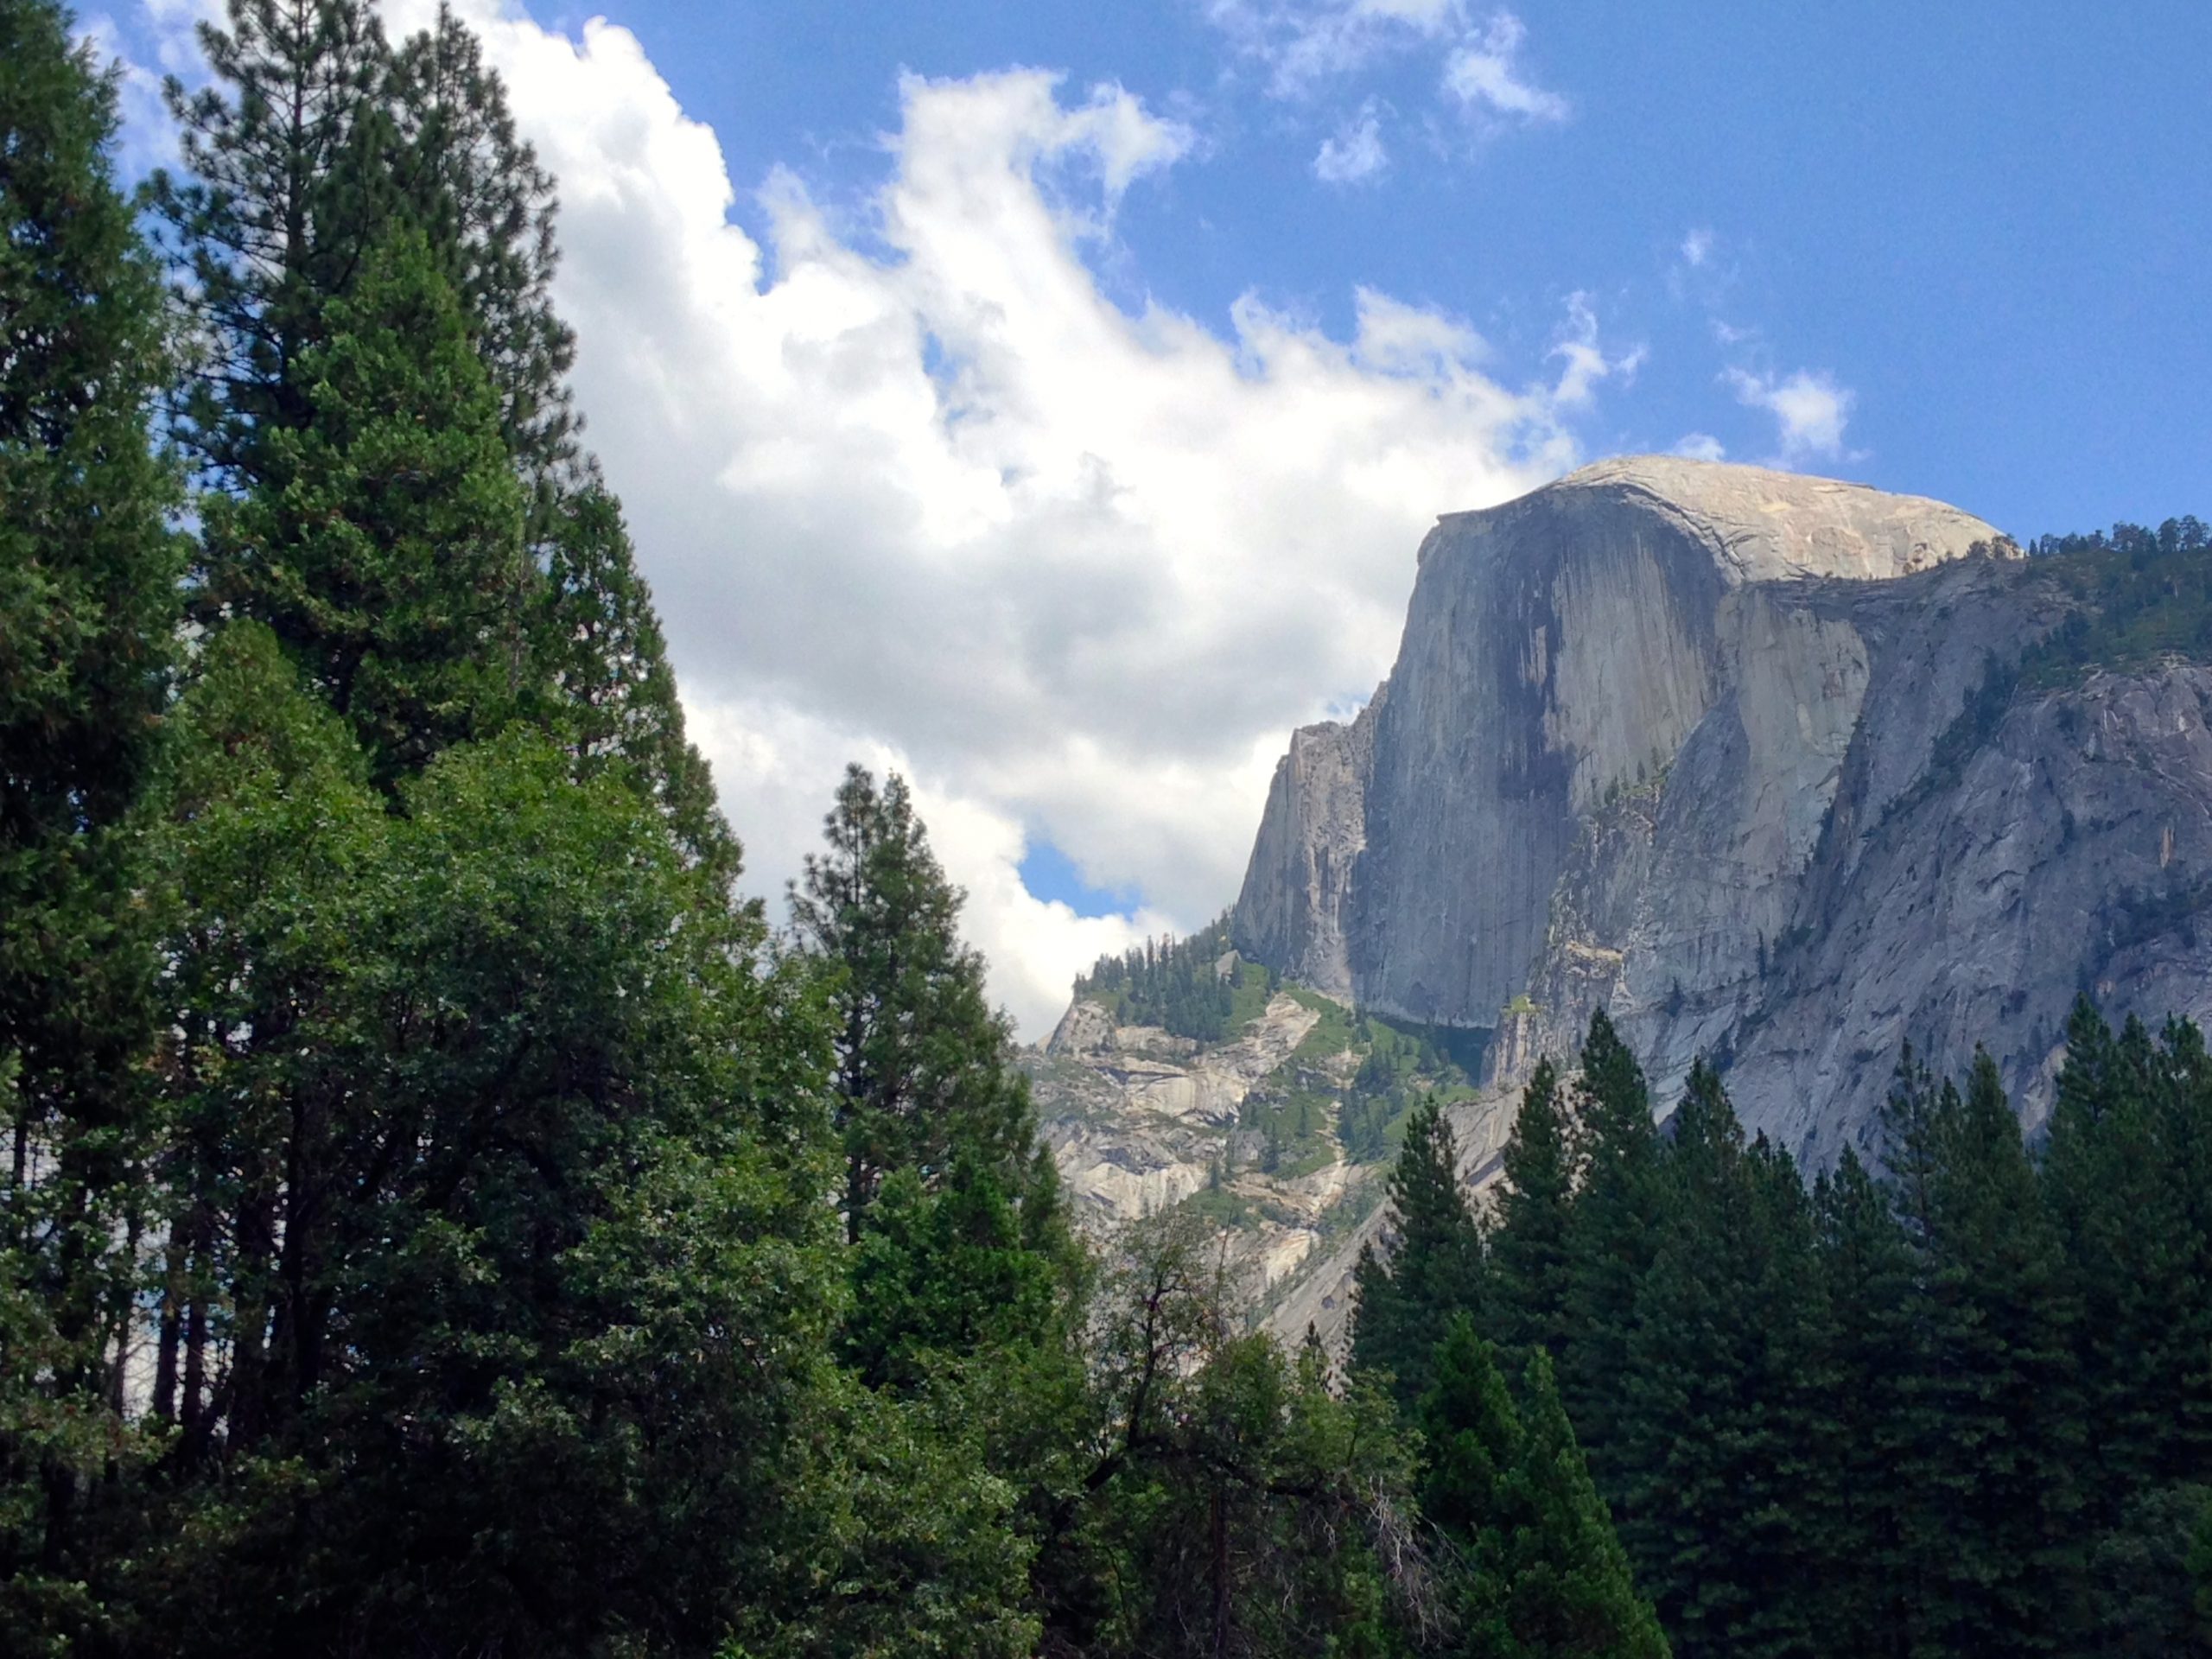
{"x": 1658, "y": 739}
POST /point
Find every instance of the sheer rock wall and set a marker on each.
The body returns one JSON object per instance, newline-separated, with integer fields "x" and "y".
{"x": 1662, "y": 738}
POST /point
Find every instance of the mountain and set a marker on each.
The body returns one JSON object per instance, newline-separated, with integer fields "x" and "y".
{"x": 1778, "y": 769}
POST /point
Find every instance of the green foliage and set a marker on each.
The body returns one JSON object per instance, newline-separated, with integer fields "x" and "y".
{"x": 1612, "y": 1232}
{"x": 924, "y": 1070}
{"x": 1178, "y": 985}
{"x": 88, "y": 610}
{"x": 389, "y": 562}
{"x": 1435, "y": 1269}
{"x": 2127, "y": 1179}
{"x": 2145, "y": 595}
{"x": 1994, "y": 1433}
{"x": 485, "y": 205}
{"x": 1530, "y": 1245}
{"x": 1854, "y": 1504}
{"x": 1238, "y": 1503}
{"x": 287, "y": 185}
{"x": 562, "y": 1262}
{"x": 1717, "y": 1411}
{"x": 1540, "y": 1571}
{"x": 945, "y": 1274}
{"x": 612, "y": 694}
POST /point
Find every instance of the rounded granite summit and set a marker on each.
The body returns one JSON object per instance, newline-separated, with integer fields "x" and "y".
{"x": 1765, "y": 525}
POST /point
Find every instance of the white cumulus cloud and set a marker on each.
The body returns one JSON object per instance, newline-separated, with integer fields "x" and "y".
{"x": 915, "y": 490}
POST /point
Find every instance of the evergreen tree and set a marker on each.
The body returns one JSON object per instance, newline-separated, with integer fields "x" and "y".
{"x": 1435, "y": 1270}
{"x": 924, "y": 1069}
{"x": 1854, "y": 1505}
{"x": 1993, "y": 1431}
{"x": 387, "y": 560}
{"x": 487, "y": 208}
{"x": 945, "y": 1275}
{"x": 495, "y": 1338}
{"x": 2120, "y": 1170}
{"x": 287, "y": 153}
{"x": 1529, "y": 1245}
{"x": 1611, "y": 1232}
{"x": 613, "y": 693}
{"x": 87, "y": 608}
{"x": 1541, "y": 1573}
{"x": 1713, "y": 1415}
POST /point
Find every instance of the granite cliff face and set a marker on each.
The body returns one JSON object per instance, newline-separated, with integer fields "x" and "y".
{"x": 1699, "y": 744}
{"x": 1282, "y": 1130}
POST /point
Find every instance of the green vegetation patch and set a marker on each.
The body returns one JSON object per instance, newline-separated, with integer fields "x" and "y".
{"x": 1177, "y": 985}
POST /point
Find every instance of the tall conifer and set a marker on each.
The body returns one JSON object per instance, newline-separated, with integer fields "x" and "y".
{"x": 1610, "y": 1238}
{"x": 287, "y": 186}
{"x": 1529, "y": 1245}
{"x": 1434, "y": 1271}
{"x": 1539, "y": 1574}
{"x": 1992, "y": 1537}
{"x": 387, "y": 558}
{"x": 924, "y": 1068}
{"x": 612, "y": 692}
{"x": 1713, "y": 1415}
{"x": 88, "y": 604}
{"x": 1855, "y": 1503}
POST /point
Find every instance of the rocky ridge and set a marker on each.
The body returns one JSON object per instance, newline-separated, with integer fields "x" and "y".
{"x": 1705, "y": 745}
{"x": 1141, "y": 1121}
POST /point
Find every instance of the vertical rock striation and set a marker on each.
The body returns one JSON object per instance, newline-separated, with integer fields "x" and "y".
{"x": 1667, "y": 737}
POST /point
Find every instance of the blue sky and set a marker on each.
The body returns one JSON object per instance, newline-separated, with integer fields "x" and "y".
{"x": 1046, "y": 401}
{"x": 1992, "y": 223}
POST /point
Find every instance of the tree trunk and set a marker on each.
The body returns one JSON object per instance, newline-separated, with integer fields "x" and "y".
{"x": 1220, "y": 1576}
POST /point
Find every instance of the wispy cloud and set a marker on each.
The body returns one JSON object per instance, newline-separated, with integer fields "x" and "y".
{"x": 1484, "y": 73}
{"x": 1697, "y": 247}
{"x": 1809, "y": 409}
{"x": 1583, "y": 360}
{"x": 1310, "y": 50}
{"x": 1354, "y": 153}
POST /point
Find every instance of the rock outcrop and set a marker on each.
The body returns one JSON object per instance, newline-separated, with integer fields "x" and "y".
{"x": 1140, "y": 1121}
{"x": 1686, "y": 742}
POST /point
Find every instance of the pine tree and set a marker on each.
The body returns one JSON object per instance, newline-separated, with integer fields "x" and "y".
{"x": 487, "y": 208}
{"x": 945, "y": 1275}
{"x": 2116, "y": 1173}
{"x": 925, "y": 1069}
{"x": 1865, "y": 1338}
{"x": 88, "y": 605}
{"x": 1712, "y": 1412}
{"x": 613, "y": 693}
{"x": 1542, "y": 1576}
{"x": 287, "y": 153}
{"x": 1435, "y": 1270}
{"x": 387, "y": 560}
{"x": 1992, "y": 1434}
{"x": 1528, "y": 1244}
{"x": 1611, "y": 1236}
